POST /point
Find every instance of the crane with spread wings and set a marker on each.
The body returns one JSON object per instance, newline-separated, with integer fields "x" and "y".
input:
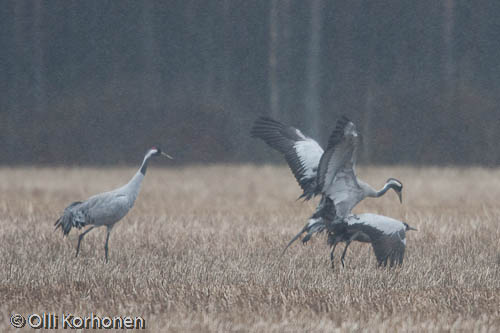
{"x": 329, "y": 173}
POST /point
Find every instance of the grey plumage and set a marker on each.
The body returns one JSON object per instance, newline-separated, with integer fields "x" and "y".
{"x": 336, "y": 171}
{"x": 71, "y": 218}
{"x": 337, "y": 181}
{"x": 319, "y": 221}
{"x": 387, "y": 236}
{"x": 329, "y": 173}
{"x": 339, "y": 157}
{"x": 105, "y": 209}
{"x": 301, "y": 152}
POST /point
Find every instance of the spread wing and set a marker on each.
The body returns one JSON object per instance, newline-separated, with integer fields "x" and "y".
{"x": 386, "y": 234}
{"x": 336, "y": 175}
{"x": 301, "y": 152}
{"x": 390, "y": 248}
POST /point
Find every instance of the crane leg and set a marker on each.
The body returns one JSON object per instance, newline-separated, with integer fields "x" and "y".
{"x": 108, "y": 231}
{"x": 334, "y": 245}
{"x": 343, "y": 253}
{"x": 80, "y": 239}
{"x": 348, "y": 242}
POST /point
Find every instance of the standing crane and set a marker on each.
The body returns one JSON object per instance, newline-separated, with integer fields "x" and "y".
{"x": 105, "y": 209}
{"x": 329, "y": 173}
{"x": 387, "y": 236}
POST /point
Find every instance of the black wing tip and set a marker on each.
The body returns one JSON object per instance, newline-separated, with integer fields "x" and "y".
{"x": 308, "y": 192}
{"x": 342, "y": 122}
{"x": 266, "y": 121}
{"x": 338, "y": 133}
{"x": 264, "y": 125}
{"x": 344, "y": 118}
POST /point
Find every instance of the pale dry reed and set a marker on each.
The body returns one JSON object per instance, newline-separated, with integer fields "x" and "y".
{"x": 200, "y": 252}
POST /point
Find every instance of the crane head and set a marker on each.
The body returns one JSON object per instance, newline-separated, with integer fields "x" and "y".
{"x": 397, "y": 186}
{"x": 157, "y": 152}
{"x": 407, "y": 227}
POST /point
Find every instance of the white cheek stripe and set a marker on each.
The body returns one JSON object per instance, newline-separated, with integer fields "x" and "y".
{"x": 151, "y": 152}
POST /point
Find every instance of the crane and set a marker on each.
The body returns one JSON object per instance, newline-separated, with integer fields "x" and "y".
{"x": 105, "y": 209}
{"x": 387, "y": 236}
{"x": 329, "y": 173}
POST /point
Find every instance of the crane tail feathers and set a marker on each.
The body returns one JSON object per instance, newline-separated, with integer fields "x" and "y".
{"x": 65, "y": 223}
{"x": 70, "y": 218}
{"x": 307, "y": 195}
{"x": 57, "y": 224}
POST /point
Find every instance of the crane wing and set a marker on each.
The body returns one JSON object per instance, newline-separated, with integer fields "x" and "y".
{"x": 107, "y": 208}
{"x": 301, "y": 152}
{"x": 336, "y": 175}
{"x": 390, "y": 248}
{"x": 345, "y": 191}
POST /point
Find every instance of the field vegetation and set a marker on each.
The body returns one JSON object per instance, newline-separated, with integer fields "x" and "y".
{"x": 200, "y": 252}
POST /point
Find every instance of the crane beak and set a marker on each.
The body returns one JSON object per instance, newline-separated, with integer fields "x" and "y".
{"x": 400, "y": 196}
{"x": 411, "y": 228}
{"x": 167, "y": 155}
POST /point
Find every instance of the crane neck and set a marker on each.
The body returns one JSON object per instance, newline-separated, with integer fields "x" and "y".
{"x": 144, "y": 165}
{"x": 384, "y": 189}
{"x": 133, "y": 187}
{"x": 367, "y": 189}
{"x": 371, "y": 192}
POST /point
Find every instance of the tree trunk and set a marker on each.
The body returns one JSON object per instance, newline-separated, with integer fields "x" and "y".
{"x": 312, "y": 102}
{"x": 273, "y": 61}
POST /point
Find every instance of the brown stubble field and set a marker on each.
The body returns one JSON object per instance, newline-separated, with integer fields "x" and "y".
{"x": 200, "y": 252}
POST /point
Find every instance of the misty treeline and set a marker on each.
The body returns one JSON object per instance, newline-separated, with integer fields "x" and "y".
{"x": 98, "y": 82}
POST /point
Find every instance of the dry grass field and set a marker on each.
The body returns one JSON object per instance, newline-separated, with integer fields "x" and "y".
{"x": 200, "y": 252}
